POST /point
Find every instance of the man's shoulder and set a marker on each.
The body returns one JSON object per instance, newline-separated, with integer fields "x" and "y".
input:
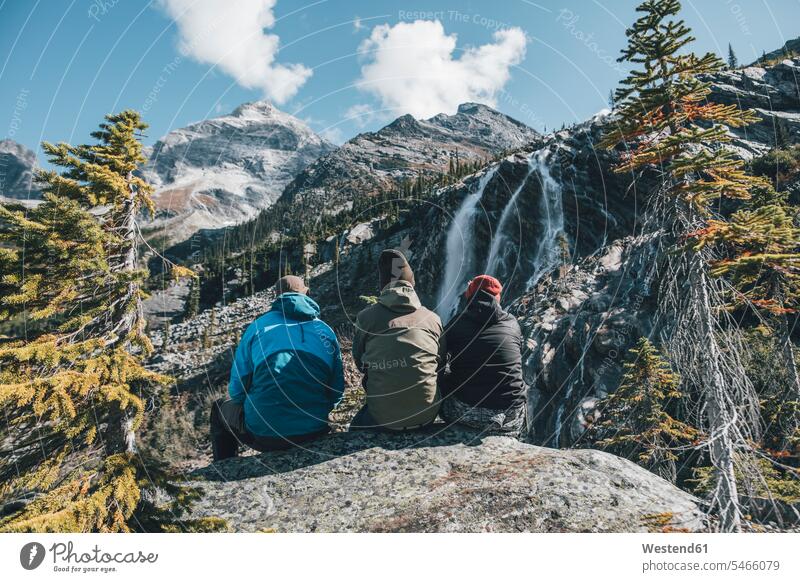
{"x": 370, "y": 314}
{"x": 323, "y": 326}
{"x": 428, "y": 319}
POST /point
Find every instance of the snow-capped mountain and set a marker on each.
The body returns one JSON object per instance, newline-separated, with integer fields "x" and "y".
{"x": 224, "y": 170}
{"x": 16, "y": 171}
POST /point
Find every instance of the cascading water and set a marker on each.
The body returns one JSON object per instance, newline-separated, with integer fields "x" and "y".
{"x": 548, "y": 252}
{"x": 496, "y": 259}
{"x": 459, "y": 251}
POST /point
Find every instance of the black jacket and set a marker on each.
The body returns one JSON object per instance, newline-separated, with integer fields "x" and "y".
{"x": 484, "y": 345}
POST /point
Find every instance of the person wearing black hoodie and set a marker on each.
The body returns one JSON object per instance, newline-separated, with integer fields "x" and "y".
{"x": 483, "y": 386}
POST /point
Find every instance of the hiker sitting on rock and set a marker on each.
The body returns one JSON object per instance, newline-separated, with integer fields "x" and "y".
{"x": 484, "y": 388}
{"x": 397, "y": 347}
{"x": 285, "y": 379}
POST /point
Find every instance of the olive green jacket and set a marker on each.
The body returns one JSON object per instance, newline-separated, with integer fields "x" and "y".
{"x": 399, "y": 346}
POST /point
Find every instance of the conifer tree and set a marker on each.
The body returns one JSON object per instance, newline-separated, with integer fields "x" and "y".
{"x": 782, "y": 139}
{"x": 763, "y": 266}
{"x": 193, "y": 303}
{"x": 672, "y": 129}
{"x": 74, "y": 394}
{"x": 733, "y": 62}
{"x": 634, "y": 420}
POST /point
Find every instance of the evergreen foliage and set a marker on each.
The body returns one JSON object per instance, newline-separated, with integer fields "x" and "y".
{"x": 733, "y": 62}
{"x": 669, "y": 127}
{"x": 73, "y": 391}
{"x": 634, "y": 421}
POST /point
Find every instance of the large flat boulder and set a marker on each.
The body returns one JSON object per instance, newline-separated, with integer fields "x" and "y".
{"x": 440, "y": 481}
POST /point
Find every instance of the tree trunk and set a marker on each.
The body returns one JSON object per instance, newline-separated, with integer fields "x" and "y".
{"x": 787, "y": 350}
{"x": 129, "y": 314}
{"x": 720, "y": 409}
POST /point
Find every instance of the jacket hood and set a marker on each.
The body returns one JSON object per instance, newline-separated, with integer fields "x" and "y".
{"x": 483, "y": 306}
{"x": 296, "y": 306}
{"x": 399, "y": 296}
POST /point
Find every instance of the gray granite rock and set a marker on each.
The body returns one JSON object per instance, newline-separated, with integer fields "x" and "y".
{"x": 444, "y": 480}
{"x": 16, "y": 171}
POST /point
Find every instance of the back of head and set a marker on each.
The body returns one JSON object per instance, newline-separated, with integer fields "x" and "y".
{"x": 393, "y": 266}
{"x": 290, "y": 284}
{"x": 485, "y": 283}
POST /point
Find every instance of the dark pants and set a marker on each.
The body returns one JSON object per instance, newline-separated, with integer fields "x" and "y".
{"x": 228, "y": 431}
{"x": 363, "y": 420}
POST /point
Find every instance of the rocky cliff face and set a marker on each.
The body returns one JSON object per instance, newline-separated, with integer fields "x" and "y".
{"x": 446, "y": 480}
{"x": 16, "y": 171}
{"x": 223, "y": 171}
{"x": 371, "y": 162}
{"x": 580, "y": 322}
{"x": 772, "y": 90}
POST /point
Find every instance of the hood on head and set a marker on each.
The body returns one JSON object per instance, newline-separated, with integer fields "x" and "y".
{"x": 296, "y": 306}
{"x": 393, "y": 266}
{"x": 399, "y": 296}
{"x": 484, "y": 306}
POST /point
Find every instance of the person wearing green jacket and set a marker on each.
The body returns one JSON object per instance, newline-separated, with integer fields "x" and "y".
{"x": 398, "y": 346}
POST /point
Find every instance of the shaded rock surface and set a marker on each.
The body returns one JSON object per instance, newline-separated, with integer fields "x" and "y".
{"x": 446, "y": 480}
{"x": 577, "y": 329}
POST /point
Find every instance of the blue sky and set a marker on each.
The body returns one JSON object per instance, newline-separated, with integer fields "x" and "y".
{"x": 65, "y": 63}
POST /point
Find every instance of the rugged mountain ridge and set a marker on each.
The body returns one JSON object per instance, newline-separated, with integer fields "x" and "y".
{"x": 375, "y": 161}
{"x": 16, "y": 171}
{"x": 224, "y": 170}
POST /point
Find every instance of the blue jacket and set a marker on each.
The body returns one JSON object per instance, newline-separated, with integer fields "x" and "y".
{"x": 287, "y": 370}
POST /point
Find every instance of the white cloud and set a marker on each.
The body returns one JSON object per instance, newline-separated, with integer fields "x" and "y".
{"x": 411, "y": 67}
{"x": 360, "y": 114}
{"x": 357, "y": 24}
{"x": 232, "y": 37}
{"x": 333, "y": 134}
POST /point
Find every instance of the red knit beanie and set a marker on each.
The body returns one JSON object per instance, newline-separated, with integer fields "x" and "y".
{"x": 484, "y": 283}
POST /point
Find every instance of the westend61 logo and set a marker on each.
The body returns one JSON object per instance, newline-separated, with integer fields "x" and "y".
{"x": 67, "y": 559}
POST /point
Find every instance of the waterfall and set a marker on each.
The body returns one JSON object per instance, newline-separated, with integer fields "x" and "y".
{"x": 495, "y": 260}
{"x": 548, "y": 251}
{"x": 459, "y": 251}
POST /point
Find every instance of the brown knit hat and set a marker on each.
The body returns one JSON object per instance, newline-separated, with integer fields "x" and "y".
{"x": 290, "y": 284}
{"x": 393, "y": 266}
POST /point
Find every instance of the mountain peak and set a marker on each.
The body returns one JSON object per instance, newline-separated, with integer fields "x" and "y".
{"x": 471, "y": 107}
{"x": 404, "y": 121}
{"x": 260, "y": 108}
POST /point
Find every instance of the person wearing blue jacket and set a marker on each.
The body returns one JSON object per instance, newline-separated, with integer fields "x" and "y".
{"x": 285, "y": 379}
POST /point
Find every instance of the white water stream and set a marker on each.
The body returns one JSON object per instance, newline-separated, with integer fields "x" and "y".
{"x": 460, "y": 250}
{"x": 461, "y": 260}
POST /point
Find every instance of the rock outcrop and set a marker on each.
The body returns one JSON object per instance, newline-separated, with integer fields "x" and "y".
{"x": 223, "y": 171}
{"x": 772, "y": 90}
{"x": 16, "y": 171}
{"x": 577, "y": 329}
{"x": 446, "y": 480}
